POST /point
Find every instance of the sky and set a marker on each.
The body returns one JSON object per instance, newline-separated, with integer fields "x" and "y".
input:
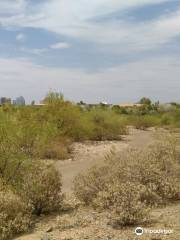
{"x": 100, "y": 50}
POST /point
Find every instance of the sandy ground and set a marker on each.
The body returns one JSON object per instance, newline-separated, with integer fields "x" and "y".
{"x": 84, "y": 156}
{"x": 97, "y": 227}
{"x": 88, "y": 154}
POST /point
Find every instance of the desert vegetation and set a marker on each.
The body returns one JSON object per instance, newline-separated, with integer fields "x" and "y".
{"x": 127, "y": 186}
{"x": 150, "y": 114}
{"x": 131, "y": 184}
{"x": 28, "y": 185}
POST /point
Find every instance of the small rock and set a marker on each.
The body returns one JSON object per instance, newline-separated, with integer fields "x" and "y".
{"x": 49, "y": 229}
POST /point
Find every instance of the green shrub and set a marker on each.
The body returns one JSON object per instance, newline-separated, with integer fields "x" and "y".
{"x": 67, "y": 118}
{"x": 34, "y": 132}
{"x": 166, "y": 119}
{"x": 107, "y": 125}
{"x": 144, "y": 121}
{"x": 13, "y": 160}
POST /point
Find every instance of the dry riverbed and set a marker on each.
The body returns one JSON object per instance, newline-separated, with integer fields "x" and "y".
{"x": 86, "y": 224}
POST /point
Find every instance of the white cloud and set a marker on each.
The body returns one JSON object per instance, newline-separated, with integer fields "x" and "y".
{"x": 60, "y": 45}
{"x": 12, "y": 6}
{"x": 73, "y": 12}
{"x": 157, "y": 78}
{"x": 73, "y": 19}
{"x": 35, "y": 51}
{"x": 21, "y": 37}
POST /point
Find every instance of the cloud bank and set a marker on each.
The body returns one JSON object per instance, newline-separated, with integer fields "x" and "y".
{"x": 156, "y": 78}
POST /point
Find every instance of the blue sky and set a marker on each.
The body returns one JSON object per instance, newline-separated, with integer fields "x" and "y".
{"x": 114, "y": 51}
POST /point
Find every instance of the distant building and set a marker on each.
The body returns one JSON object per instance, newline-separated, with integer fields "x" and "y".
{"x": 39, "y": 104}
{"x": 20, "y": 101}
{"x": 104, "y": 103}
{"x": 4, "y": 100}
{"x": 130, "y": 105}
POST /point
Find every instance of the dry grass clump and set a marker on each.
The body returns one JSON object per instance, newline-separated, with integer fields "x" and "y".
{"x": 156, "y": 170}
{"x": 128, "y": 185}
{"x": 41, "y": 189}
{"x": 15, "y": 216}
{"x": 124, "y": 203}
{"x": 87, "y": 186}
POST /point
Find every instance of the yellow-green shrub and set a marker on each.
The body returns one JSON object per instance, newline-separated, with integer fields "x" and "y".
{"x": 144, "y": 121}
{"x": 107, "y": 125}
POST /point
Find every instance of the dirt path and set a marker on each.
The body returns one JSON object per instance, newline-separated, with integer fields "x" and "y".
{"x": 86, "y": 155}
